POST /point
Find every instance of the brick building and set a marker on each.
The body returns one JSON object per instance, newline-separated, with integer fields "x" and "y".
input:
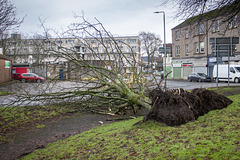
{"x": 5, "y": 69}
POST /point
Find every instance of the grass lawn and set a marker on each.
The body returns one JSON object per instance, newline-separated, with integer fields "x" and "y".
{"x": 15, "y": 118}
{"x": 5, "y": 93}
{"x": 215, "y": 135}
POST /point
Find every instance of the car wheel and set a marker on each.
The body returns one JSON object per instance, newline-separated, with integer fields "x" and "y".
{"x": 236, "y": 80}
{"x": 23, "y": 80}
{"x": 189, "y": 79}
{"x": 199, "y": 80}
{"x": 38, "y": 81}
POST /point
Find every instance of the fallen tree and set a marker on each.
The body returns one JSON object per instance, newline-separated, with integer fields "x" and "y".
{"x": 176, "y": 107}
{"x": 100, "y": 70}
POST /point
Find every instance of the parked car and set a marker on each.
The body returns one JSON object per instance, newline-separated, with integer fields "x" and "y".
{"x": 16, "y": 76}
{"x": 31, "y": 77}
{"x": 199, "y": 77}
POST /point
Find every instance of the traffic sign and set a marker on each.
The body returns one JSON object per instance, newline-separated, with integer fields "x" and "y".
{"x": 224, "y": 47}
{"x": 222, "y": 53}
{"x": 225, "y": 40}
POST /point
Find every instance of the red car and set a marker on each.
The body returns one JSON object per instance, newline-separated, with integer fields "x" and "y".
{"x": 31, "y": 77}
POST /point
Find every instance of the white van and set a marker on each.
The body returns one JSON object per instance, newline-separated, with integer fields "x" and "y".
{"x": 234, "y": 73}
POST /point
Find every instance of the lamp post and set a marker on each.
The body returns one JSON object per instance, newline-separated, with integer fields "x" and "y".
{"x": 165, "y": 49}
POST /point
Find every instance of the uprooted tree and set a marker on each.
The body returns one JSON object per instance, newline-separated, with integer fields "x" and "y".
{"x": 106, "y": 69}
{"x": 109, "y": 78}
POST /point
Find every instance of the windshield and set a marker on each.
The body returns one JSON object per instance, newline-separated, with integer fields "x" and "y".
{"x": 202, "y": 74}
{"x": 238, "y": 69}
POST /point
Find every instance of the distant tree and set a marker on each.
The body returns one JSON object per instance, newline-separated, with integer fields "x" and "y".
{"x": 8, "y": 16}
{"x": 150, "y": 43}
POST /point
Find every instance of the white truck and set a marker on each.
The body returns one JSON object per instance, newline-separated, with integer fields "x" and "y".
{"x": 234, "y": 73}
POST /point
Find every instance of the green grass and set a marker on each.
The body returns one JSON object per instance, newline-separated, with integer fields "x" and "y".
{"x": 5, "y": 93}
{"x": 12, "y": 118}
{"x": 212, "y": 136}
{"x": 40, "y": 126}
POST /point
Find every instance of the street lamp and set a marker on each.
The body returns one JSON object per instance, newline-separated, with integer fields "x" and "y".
{"x": 165, "y": 49}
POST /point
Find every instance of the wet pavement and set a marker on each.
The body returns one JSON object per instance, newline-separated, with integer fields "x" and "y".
{"x": 24, "y": 90}
{"x": 61, "y": 128}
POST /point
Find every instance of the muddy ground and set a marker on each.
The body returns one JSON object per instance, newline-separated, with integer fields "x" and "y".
{"x": 55, "y": 129}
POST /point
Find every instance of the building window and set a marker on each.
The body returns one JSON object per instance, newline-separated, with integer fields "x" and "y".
{"x": 196, "y": 30}
{"x": 177, "y": 48}
{"x": 230, "y": 24}
{"x": 177, "y": 35}
{"x": 186, "y": 50}
{"x": 201, "y": 47}
{"x": 187, "y": 33}
{"x": 235, "y": 21}
{"x": 196, "y": 47}
{"x": 131, "y": 40}
{"x": 218, "y": 24}
{"x": 214, "y": 26}
{"x": 70, "y": 41}
{"x": 201, "y": 31}
{"x": 59, "y": 42}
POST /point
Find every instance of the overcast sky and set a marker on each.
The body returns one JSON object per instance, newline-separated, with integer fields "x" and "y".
{"x": 120, "y": 17}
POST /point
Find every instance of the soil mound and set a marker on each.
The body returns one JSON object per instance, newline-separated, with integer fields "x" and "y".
{"x": 176, "y": 107}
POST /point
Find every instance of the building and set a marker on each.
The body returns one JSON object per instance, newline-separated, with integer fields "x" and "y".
{"x": 192, "y": 50}
{"x": 54, "y": 57}
{"x": 5, "y": 69}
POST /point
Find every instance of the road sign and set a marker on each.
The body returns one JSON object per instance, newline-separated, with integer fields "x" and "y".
{"x": 225, "y": 40}
{"x": 225, "y": 47}
{"x": 214, "y": 59}
{"x": 222, "y": 54}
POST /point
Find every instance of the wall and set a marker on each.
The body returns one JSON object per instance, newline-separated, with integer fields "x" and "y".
{"x": 5, "y": 73}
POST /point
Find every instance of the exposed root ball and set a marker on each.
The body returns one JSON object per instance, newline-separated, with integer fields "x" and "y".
{"x": 176, "y": 107}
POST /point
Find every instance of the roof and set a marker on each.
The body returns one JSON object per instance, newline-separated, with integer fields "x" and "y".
{"x": 4, "y": 57}
{"x": 206, "y": 16}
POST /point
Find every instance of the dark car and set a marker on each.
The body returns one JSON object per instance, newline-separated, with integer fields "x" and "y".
{"x": 30, "y": 77}
{"x": 199, "y": 77}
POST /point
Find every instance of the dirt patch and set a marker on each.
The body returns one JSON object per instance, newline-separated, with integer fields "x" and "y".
{"x": 55, "y": 129}
{"x": 176, "y": 107}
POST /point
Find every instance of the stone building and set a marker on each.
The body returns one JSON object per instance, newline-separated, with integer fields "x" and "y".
{"x": 192, "y": 50}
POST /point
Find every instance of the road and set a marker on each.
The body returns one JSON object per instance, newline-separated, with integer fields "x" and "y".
{"x": 63, "y": 86}
{"x": 174, "y": 84}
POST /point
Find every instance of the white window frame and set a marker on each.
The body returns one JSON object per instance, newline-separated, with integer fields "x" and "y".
{"x": 187, "y": 49}
{"x": 235, "y": 21}
{"x": 177, "y": 49}
{"x": 177, "y": 36}
{"x": 187, "y": 33}
{"x": 196, "y": 30}
{"x": 201, "y": 47}
{"x": 196, "y": 47}
{"x": 230, "y": 24}
{"x": 201, "y": 28}
{"x": 218, "y": 25}
{"x": 214, "y": 26}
